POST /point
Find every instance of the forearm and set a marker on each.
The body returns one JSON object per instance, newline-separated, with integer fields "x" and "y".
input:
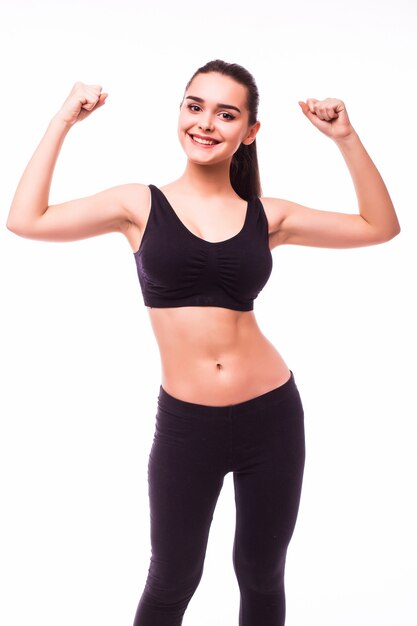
{"x": 374, "y": 201}
{"x": 31, "y": 198}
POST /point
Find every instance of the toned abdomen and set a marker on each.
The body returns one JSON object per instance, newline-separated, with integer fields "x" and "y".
{"x": 215, "y": 356}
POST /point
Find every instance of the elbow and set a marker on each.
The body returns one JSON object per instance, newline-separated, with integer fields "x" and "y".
{"x": 396, "y": 229}
{"x": 11, "y": 222}
{"x": 10, "y": 226}
{"x": 390, "y": 235}
{"x": 13, "y": 227}
{"x": 395, "y": 232}
{"x": 16, "y": 228}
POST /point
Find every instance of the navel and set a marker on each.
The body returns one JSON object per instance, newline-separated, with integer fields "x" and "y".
{"x": 219, "y": 366}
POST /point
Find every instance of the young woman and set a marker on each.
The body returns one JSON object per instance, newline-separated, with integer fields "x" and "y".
{"x": 228, "y": 401}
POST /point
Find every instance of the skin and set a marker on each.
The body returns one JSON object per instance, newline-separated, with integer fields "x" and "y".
{"x": 224, "y": 357}
{"x": 209, "y": 355}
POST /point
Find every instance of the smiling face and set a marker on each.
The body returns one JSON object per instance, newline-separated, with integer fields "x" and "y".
{"x": 214, "y": 119}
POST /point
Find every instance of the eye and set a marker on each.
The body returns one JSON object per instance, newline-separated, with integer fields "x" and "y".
{"x": 190, "y": 106}
{"x": 230, "y": 116}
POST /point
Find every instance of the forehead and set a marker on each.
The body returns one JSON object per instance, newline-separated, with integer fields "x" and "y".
{"x": 215, "y": 87}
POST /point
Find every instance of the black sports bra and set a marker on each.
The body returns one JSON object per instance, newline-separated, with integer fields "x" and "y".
{"x": 177, "y": 268}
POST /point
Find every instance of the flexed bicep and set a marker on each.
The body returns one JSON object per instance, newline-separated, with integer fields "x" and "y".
{"x": 304, "y": 226}
{"x": 103, "y": 212}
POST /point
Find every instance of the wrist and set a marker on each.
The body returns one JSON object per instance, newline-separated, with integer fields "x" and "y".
{"x": 347, "y": 140}
{"x": 59, "y": 123}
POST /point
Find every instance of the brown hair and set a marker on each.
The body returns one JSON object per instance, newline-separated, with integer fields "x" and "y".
{"x": 244, "y": 169}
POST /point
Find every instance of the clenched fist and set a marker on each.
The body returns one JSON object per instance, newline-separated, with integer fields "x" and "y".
{"x": 82, "y": 100}
{"x": 329, "y": 116}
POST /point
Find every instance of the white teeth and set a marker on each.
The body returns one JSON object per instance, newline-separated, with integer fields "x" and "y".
{"x": 208, "y": 142}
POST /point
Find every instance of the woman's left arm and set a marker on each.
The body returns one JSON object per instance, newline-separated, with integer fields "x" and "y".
{"x": 377, "y": 221}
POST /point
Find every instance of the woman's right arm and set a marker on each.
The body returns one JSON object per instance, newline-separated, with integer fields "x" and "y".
{"x": 107, "y": 211}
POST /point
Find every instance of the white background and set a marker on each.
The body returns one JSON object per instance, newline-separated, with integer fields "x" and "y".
{"x": 79, "y": 363}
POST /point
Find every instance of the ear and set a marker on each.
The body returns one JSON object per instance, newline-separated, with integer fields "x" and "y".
{"x": 253, "y": 131}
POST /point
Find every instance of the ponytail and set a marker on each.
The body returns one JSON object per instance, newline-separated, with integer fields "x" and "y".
{"x": 244, "y": 172}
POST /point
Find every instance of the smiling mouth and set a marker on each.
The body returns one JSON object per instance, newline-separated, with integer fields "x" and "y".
{"x": 204, "y": 142}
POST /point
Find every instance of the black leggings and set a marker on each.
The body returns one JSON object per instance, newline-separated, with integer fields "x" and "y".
{"x": 261, "y": 441}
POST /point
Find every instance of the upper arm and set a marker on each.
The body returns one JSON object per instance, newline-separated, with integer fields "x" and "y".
{"x": 110, "y": 210}
{"x": 292, "y": 223}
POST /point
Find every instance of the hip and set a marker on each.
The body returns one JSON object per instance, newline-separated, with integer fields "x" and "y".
{"x": 262, "y": 434}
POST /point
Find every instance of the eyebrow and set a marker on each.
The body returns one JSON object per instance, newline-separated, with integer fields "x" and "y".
{"x": 220, "y": 105}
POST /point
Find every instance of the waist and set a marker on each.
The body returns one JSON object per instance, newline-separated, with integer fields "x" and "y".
{"x": 223, "y": 383}
{"x": 215, "y": 356}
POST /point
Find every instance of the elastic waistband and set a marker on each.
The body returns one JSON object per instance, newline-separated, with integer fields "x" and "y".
{"x": 182, "y": 407}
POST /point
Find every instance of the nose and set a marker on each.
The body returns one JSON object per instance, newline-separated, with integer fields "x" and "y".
{"x": 206, "y": 122}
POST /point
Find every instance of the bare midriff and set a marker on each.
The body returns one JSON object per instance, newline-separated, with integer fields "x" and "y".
{"x": 215, "y": 356}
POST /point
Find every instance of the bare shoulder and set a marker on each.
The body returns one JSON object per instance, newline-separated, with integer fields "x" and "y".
{"x": 275, "y": 210}
{"x": 136, "y": 199}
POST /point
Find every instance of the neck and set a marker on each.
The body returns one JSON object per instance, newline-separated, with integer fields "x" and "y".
{"x": 208, "y": 180}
